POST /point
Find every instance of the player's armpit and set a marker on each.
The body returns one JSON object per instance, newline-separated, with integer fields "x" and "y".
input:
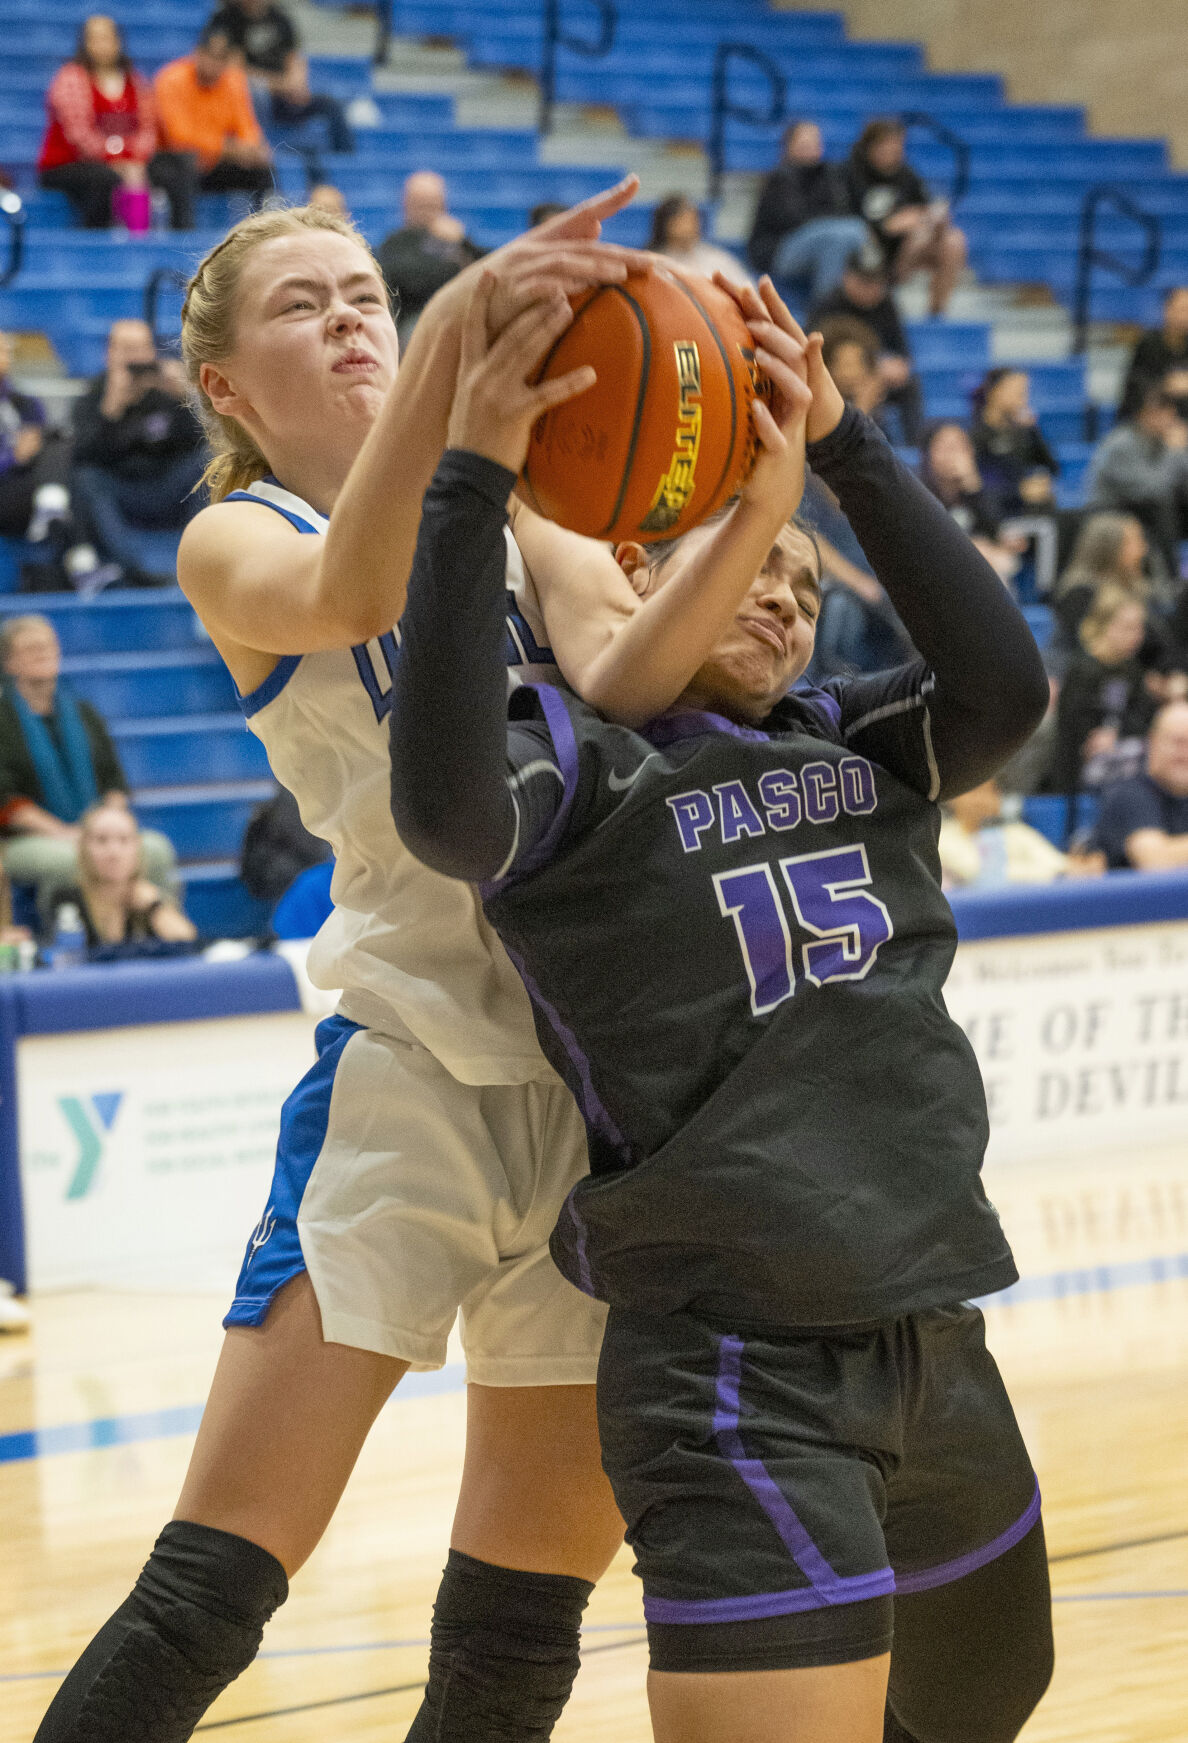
{"x": 259, "y": 583}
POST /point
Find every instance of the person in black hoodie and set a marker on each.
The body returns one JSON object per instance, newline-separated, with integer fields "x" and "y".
{"x": 138, "y": 450}
{"x": 914, "y": 229}
{"x": 1160, "y": 359}
{"x": 805, "y": 229}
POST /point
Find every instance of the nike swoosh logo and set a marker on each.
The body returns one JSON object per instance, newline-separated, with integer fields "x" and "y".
{"x": 618, "y": 783}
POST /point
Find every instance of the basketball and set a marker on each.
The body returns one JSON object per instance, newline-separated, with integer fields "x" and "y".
{"x": 664, "y": 436}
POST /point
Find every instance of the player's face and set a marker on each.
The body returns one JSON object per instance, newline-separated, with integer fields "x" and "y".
{"x": 770, "y": 642}
{"x": 315, "y": 344}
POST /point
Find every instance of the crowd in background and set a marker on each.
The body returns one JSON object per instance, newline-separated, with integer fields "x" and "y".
{"x": 94, "y": 501}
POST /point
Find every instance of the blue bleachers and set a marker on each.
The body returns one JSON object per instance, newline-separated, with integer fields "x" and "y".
{"x": 145, "y": 661}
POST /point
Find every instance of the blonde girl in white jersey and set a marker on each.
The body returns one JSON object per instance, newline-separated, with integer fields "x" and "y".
{"x": 424, "y": 1158}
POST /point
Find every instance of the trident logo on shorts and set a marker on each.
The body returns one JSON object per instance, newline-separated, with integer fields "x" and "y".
{"x": 261, "y": 1234}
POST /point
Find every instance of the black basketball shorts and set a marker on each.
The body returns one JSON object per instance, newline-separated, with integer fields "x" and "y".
{"x": 780, "y": 1487}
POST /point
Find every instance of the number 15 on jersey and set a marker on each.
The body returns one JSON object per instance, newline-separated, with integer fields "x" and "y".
{"x": 831, "y": 904}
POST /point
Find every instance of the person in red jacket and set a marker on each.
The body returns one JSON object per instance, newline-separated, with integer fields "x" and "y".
{"x": 102, "y": 132}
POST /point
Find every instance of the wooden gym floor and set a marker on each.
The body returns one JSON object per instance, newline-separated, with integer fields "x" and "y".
{"x": 1094, "y": 1348}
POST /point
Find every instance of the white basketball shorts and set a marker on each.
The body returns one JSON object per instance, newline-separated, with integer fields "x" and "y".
{"x": 410, "y": 1198}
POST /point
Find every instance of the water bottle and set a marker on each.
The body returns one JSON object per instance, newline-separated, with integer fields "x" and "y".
{"x": 69, "y": 947}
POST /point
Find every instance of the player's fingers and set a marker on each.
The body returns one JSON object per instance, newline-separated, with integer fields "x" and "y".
{"x": 524, "y": 341}
{"x": 772, "y": 339}
{"x": 770, "y": 435}
{"x": 585, "y": 219}
{"x": 474, "y": 326}
{"x": 561, "y": 387}
{"x": 778, "y": 309}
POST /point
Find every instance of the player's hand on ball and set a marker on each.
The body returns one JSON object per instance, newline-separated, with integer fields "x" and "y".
{"x": 828, "y": 405}
{"x": 495, "y": 404}
{"x": 563, "y": 254}
{"x": 777, "y": 476}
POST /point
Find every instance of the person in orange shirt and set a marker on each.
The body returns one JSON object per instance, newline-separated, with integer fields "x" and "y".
{"x": 204, "y": 110}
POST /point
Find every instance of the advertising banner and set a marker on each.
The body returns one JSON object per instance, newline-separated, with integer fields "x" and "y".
{"x": 146, "y": 1152}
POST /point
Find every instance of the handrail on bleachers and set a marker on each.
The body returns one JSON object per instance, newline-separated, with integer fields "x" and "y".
{"x": 1090, "y": 255}
{"x": 383, "y": 32}
{"x": 555, "y": 37}
{"x": 724, "y": 109}
{"x": 946, "y": 136}
{"x": 12, "y": 209}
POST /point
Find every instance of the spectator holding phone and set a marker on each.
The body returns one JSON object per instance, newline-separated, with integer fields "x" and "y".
{"x": 138, "y": 451}
{"x": 915, "y": 230}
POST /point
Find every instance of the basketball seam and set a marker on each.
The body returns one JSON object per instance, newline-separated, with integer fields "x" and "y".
{"x": 729, "y": 382}
{"x": 644, "y": 373}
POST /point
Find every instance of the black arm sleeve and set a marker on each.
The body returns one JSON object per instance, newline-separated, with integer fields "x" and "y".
{"x": 987, "y": 686}
{"x": 452, "y": 801}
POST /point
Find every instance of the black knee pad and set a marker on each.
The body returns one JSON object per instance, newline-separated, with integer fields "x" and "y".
{"x": 193, "y": 1622}
{"x": 503, "y": 1656}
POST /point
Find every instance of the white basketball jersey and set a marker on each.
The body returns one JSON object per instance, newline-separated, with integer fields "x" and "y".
{"x": 411, "y": 950}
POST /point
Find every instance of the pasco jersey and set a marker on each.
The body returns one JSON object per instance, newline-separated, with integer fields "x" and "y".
{"x": 736, "y": 943}
{"x": 412, "y": 951}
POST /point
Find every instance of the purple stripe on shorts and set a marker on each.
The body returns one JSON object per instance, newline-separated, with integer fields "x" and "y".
{"x": 827, "y": 1587}
{"x": 755, "y": 1607}
{"x": 948, "y": 1571}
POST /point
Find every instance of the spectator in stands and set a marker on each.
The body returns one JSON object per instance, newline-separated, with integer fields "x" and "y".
{"x": 1160, "y": 358}
{"x": 865, "y": 295}
{"x": 851, "y": 355}
{"x": 265, "y": 39}
{"x": 327, "y": 198}
{"x": 209, "y": 124}
{"x": 949, "y": 467}
{"x": 118, "y": 903}
{"x": 1012, "y": 454}
{"x": 429, "y": 249}
{"x": 915, "y": 230}
{"x": 34, "y": 465}
{"x": 980, "y": 848}
{"x": 540, "y": 214}
{"x": 1105, "y": 705}
{"x": 138, "y": 452}
{"x": 102, "y": 133}
{"x": 676, "y": 232}
{"x": 1143, "y": 822}
{"x": 1141, "y": 468}
{"x": 56, "y": 759}
{"x": 1111, "y": 550}
{"x": 804, "y": 229}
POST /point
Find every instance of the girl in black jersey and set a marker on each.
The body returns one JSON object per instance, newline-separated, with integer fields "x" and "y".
{"x": 730, "y": 922}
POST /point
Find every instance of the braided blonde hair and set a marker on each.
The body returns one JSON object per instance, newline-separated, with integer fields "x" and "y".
{"x": 208, "y": 332}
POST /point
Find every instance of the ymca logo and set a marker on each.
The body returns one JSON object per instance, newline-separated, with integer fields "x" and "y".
{"x": 90, "y": 1119}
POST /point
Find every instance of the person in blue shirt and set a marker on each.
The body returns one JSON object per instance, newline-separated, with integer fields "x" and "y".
{"x": 1143, "y": 822}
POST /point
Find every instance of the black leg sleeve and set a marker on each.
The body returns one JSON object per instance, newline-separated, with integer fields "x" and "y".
{"x": 504, "y": 1654}
{"x": 972, "y": 1659}
{"x": 193, "y": 1622}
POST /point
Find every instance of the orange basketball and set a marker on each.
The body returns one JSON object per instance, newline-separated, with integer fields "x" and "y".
{"x": 664, "y": 436}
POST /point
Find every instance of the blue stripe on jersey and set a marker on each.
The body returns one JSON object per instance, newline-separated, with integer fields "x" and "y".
{"x": 294, "y": 520}
{"x": 280, "y": 674}
{"x": 272, "y": 686}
